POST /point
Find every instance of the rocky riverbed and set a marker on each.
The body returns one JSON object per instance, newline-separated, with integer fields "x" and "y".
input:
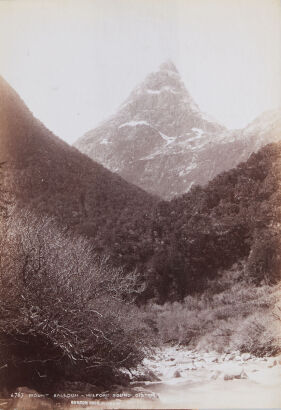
{"x": 190, "y": 379}
{"x": 176, "y": 377}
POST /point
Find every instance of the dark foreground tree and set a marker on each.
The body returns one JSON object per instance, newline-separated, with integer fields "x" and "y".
{"x": 64, "y": 314}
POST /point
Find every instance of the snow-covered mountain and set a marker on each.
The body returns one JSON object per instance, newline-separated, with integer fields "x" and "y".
{"x": 161, "y": 141}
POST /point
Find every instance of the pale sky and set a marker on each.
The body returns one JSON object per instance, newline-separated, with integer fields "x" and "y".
{"x": 75, "y": 61}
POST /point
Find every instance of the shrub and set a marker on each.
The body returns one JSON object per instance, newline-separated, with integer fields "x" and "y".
{"x": 64, "y": 314}
{"x": 238, "y": 317}
{"x": 258, "y": 334}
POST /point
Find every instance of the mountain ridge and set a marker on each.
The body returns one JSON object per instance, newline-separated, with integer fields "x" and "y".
{"x": 45, "y": 173}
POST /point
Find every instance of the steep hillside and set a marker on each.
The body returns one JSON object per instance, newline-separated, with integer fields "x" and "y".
{"x": 176, "y": 245}
{"x": 41, "y": 171}
{"x": 161, "y": 141}
{"x": 236, "y": 216}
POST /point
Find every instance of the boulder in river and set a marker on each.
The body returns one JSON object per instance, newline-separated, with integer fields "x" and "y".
{"x": 215, "y": 374}
{"x": 243, "y": 375}
{"x": 177, "y": 374}
{"x": 229, "y": 356}
{"x": 274, "y": 363}
{"x": 245, "y": 356}
{"x": 228, "y": 377}
{"x": 235, "y": 375}
{"x": 191, "y": 367}
{"x": 149, "y": 376}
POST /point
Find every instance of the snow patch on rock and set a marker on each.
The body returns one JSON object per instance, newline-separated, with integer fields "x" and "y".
{"x": 133, "y": 123}
{"x": 105, "y": 141}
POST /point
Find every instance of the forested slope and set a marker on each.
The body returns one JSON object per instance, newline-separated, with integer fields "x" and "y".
{"x": 175, "y": 245}
{"x": 237, "y": 215}
{"x": 41, "y": 171}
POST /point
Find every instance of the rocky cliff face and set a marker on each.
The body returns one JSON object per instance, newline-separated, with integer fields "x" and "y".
{"x": 161, "y": 141}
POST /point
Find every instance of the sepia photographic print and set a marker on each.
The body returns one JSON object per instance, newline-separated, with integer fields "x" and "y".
{"x": 140, "y": 204}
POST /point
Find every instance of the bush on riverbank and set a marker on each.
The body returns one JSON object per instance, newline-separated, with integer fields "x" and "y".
{"x": 238, "y": 316}
{"x": 64, "y": 314}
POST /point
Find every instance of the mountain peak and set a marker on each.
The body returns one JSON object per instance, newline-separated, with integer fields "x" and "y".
{"x": 155, "y": 135}
{"x": 168, "y": 65}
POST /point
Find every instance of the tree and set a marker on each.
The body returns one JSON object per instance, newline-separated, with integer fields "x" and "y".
{"x": 264, "y": 262}
{"x": 64, "y": 313}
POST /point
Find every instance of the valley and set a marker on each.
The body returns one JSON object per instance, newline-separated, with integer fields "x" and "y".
{"x": 114, "y": 289}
